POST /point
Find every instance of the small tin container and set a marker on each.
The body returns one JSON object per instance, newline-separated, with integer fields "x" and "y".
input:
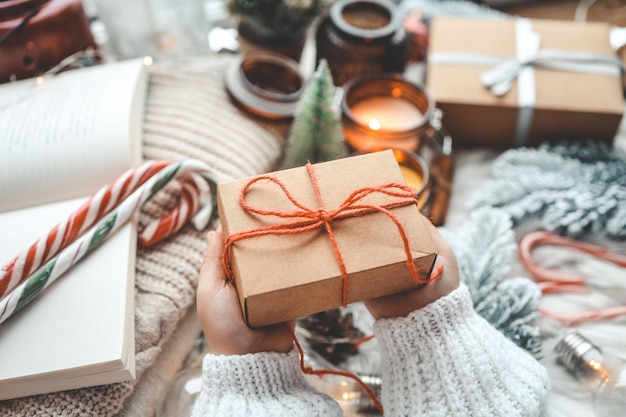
{"x": 361, "y": 37}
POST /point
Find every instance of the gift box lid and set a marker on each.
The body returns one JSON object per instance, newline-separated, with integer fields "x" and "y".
{"x": 287, "y": 276}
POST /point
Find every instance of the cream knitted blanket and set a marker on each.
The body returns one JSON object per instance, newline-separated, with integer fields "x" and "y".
{"x": 188, "y": 115}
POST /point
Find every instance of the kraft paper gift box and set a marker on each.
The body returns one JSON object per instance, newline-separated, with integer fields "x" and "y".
{"x": 578, "y": 97}
{"x": 609, "y": 11}
{"x": 284, "y": 277}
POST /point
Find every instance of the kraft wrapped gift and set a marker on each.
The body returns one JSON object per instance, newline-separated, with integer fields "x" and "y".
{"x": 564, "y": 79}
{"x": 283, "y": 277}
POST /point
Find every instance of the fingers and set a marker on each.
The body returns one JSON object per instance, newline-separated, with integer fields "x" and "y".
{"x": 401, "y": 304}
{"x": 212, "y": 276}
{"x": 441, "y": 246}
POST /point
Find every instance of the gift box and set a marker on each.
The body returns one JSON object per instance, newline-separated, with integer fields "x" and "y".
{"x": 297, "y": 272}
{"x": 564, "y": 80}
{"x": 609, "y": 11}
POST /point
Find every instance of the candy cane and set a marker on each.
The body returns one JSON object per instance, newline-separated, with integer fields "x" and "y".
{"x": 90, "y": 240}
{"x": 61, "y": 235}
{"x": 556, "y": 282}
{"x": 187, "y": 208}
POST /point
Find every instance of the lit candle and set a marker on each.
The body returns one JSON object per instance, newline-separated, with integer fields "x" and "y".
{"x": 385, "y": 111}
{"x": 412, "y": 177}
{"x": 414, "y": 170}
{"x": 388, "y": 113}
{"x": 413, "y": 173}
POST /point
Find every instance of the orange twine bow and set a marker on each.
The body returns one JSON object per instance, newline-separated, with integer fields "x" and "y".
{"x": 307, "y": 219}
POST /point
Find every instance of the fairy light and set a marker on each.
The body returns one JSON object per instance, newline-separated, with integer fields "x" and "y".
{"x": 586, "y": 362}
{"x": 147, "y": 60}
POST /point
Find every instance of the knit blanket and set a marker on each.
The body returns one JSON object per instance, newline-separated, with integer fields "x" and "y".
{"x": 188, "y": 115}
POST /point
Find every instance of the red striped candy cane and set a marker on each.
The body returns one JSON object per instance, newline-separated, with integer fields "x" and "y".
{"x": 188, "y": 207}
{"x": 95, "y": 235}
{"x": 64, "y": 233}
{"x": 556, "y": 282}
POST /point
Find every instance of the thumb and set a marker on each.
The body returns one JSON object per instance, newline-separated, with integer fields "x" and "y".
{"x": 212, "y": 275}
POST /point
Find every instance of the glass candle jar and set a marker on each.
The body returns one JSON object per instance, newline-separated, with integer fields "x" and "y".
{"x": 265, "y": 84}
{"x": 360, "y": 37}
{"x": 385, "y": 111}
{"x": 414, "y": 170}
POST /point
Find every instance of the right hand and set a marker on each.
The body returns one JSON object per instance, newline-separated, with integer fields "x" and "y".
{"x": 221, "y": 318}
{"x": 401, "y": 304}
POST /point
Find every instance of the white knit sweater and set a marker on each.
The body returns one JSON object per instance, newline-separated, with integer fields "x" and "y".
{"x": 442, "y": 360}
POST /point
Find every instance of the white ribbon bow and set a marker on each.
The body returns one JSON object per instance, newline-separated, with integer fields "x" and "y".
{"x": 501, "y": 78}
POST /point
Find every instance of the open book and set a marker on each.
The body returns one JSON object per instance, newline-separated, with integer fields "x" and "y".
{"x": 60, "y": 142}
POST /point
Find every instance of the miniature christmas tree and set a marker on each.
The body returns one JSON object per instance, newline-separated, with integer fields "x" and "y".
{"x": 316, "y": 134}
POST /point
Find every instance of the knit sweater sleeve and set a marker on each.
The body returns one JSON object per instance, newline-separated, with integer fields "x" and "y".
{"x": 261, "y": 385}
{"x": 446, "y": 360}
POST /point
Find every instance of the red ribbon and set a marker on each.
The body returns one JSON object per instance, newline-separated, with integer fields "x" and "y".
{"x": 305, "y": 219}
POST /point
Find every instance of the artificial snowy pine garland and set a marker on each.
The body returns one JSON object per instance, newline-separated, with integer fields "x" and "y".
{"x": 571, "y": 188}
{"x": 484, "y": 247}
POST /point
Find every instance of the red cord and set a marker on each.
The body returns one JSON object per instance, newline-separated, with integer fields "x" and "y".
{"x": 321, "y": 372}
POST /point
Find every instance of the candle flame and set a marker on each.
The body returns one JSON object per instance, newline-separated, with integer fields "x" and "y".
{"x": 374, "y": 124}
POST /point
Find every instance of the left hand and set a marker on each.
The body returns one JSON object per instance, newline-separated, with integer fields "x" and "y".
{"x": 220, "y": 315}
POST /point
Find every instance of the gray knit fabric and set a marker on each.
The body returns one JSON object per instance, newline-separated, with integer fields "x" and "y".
{"x": 458, "y": 364}
{"x": 441, "y": 360}
{"x": 265, "y": 384}
{"x": 188, "y": 115}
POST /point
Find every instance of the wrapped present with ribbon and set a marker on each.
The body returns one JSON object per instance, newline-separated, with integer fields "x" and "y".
{"x": 312, "y": 238}
{"x": 519, "y": 82}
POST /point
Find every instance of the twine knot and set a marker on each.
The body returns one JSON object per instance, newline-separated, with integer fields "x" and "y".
{"x": 325, "y": 215}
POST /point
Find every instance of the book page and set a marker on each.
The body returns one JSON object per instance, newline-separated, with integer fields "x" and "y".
{"x": 70, "y": 135}
{"x": 80, "y": 330}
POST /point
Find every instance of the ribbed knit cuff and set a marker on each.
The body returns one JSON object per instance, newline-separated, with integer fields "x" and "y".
{"x": 447, "y": 360}
{"x": 261, "y": 384}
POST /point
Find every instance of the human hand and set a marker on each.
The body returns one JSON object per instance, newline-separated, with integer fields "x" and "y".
{"x": 220, "y": 316}
{"x": 401, "y": 304}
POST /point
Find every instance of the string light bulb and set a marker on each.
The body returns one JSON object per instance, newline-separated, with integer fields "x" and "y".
{"x": 587, "y": 363}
